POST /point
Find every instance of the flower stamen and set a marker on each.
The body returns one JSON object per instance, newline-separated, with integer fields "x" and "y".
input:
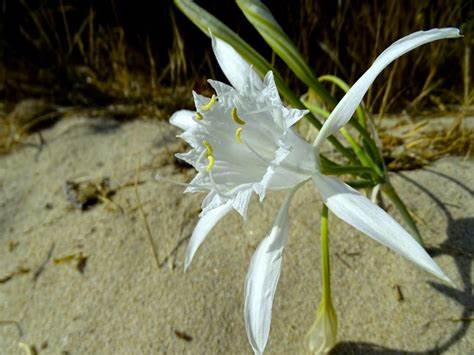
{"x": 236, "y": 117}
{"x": 199, "y": 116}
{"x": 212, "y": 160}
{"x": 210, "y": 155}
{"x": 208, "y": 146}
{"x": 207, "y": 107}
{"x": 238, "y": 133}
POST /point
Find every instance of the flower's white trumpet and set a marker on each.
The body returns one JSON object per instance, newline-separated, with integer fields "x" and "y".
{"x": 242, "y": 142}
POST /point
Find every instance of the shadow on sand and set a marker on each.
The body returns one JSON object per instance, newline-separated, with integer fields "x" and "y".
{"x": 457, "y": 245}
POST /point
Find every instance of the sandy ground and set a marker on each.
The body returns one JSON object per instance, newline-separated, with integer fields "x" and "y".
{"x": 86, "y": 282}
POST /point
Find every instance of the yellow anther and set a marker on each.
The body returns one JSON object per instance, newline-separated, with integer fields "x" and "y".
{"x": 211, "y": 163}
{"x": 210, "y": 155}
{"x": 207, "y": 107}
{"x": 198, "y": 116}
{"x": 236, "y": 117}
{"x": 208, "y": 146}
{"x": 238, "y": 132}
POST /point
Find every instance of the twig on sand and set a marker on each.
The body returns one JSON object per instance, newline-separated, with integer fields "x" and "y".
{"x": 174, "y": 251}
{"x": 142, "y": 212}
{"x": 40, "y": 269}
{"x": 19, "y": 271}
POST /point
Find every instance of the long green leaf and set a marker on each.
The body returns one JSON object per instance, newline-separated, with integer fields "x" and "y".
{"x": 264, "y": 22}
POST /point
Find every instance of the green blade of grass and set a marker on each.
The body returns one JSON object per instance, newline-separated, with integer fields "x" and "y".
{"x": 264, "y": 22}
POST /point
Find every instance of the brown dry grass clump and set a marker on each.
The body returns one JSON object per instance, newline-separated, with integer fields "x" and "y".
{"x": 411, "y": 146}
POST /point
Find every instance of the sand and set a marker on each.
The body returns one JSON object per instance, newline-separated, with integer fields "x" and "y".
{"x": 86, "y": 282}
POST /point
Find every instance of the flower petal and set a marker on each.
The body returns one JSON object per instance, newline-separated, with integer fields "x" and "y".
{"x": 270, "y": 90}
{"x": 235, "y": 68}
{"x": 262, "y": 279}
{"x": 347, "y": 106}
{"x": 357, "y": 210}
{"x": 199, "y": 100}
{"x": 293, "y": 115}
{"x": 203, "y": 227}
{"x": 183, "y": 119}
{"x": 221, "y": 88}
{"x": 241, "y": 201}
{"x": 294, "y": 162}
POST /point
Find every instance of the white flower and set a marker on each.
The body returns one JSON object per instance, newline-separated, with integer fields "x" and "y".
{"x": 242, "y": 142}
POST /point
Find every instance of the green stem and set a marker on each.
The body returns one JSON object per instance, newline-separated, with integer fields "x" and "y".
{"x": 325, "y": 270}
{"x": 373, "y": 150}
{"x": 388, "y": 189}
{"x": 364, "y": 158}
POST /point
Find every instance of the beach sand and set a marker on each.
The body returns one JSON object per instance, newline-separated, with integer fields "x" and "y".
{"x": 87, "y": 282}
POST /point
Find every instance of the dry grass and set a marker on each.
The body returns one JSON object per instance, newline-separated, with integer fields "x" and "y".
{"x": 352, "y": 34}
{"x": 98, "y": 57}
{"x": 413, "y": 145}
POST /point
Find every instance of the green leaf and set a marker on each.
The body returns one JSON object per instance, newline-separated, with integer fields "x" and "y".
{"x": 264, "y": 22}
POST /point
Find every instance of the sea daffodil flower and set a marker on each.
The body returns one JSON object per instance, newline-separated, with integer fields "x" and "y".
{"x": 242, "y": 142}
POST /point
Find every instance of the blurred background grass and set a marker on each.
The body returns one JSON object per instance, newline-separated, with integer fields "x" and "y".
{"x": 143, "y": 57}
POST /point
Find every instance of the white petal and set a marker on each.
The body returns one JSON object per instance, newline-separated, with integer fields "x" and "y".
{"x": 357, "y": 210}
{"x": 183, "y": 119}
{"x": 347, "y": 106}
{"x": 190, "y": 157}
{"x": 221, "y": 88}
{"x": 204, "y": 226}
{"x": 210, "y": 202}
{"x": 294, "y": 153}
{"x": 270, "y": 90}
{"x": 199, "y": 100}
{"x": 292, "y": 116}
{"x": 241, "y": 201}
{"x": 235, "y": 68}
{"x": 262, "y": 279}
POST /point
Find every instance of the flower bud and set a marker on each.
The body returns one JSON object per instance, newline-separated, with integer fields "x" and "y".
{"x": 322, "y": 335}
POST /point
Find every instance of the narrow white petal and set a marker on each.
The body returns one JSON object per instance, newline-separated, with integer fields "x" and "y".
{"x": 235, "y": 68}
{"x": 203, "y": 227}
{"x": 347, "y": 106}
{"x": 292, "y": 116}
{"x": 221, "y": 88}
{"x": 199, "y": 100}
{"x": 183, "y": 119}
{"x": 270, "y": 90}
{"x": 357, "y": 210}
{"x": 241, "y": 201}
{"x": 262, "y": 279}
